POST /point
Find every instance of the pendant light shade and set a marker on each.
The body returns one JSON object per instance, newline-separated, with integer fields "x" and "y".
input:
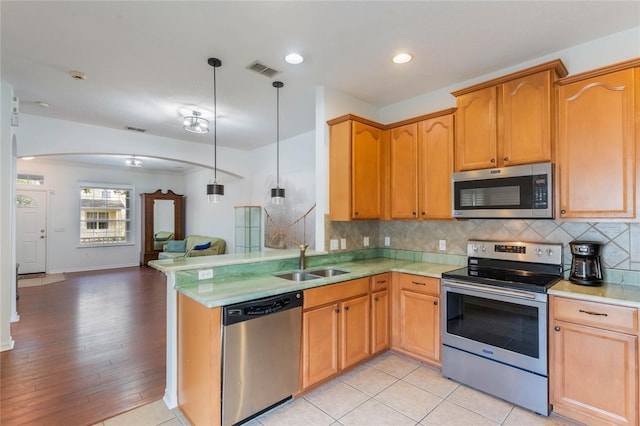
{"x": 277, "y": 193}
{"x": 215, "y": 191}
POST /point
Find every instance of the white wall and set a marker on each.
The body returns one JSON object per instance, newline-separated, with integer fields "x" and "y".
{"x": 297, "y": 176}
{"x": 63, "y": 230}
{"x": 7, "y": 205}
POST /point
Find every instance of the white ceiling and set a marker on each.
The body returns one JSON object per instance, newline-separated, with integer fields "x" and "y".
{"x": 146, "y": 61}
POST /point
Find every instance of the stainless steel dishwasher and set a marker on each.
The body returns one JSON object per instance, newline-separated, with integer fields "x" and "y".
{"x": 260, "y": 355}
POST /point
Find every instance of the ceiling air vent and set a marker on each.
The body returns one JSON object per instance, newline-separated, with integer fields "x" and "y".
{"x": 135, "y": 129}
{"x": 261, "y": 68}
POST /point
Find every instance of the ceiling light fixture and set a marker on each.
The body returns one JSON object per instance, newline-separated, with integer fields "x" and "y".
{"x": 294, "y": 58}
{"x": 195, "y": 123}
{"x": 134, "y": 162}
{"x": 402, "y": 58}
{"x": 215, "y": 191}
{"x": 27, "y": 158}
{"x": 277, "y": 193}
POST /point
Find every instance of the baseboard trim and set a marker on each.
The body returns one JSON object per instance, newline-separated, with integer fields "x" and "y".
{"x": 7, "y": 346}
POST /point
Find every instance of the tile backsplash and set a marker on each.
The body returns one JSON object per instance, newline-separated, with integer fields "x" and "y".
{"x": 620, "y": 240}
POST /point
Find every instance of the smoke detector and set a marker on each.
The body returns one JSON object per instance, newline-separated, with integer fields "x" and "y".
{"x": 78, "y": 75}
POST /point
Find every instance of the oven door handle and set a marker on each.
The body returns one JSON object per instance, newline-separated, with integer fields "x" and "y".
{"x": 489, "y": 289}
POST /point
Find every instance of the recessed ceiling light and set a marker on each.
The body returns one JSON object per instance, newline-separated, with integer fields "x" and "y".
{"x": 78, "y": 75}
{"x": 402, "y": 58}
{"x": 294, "y": 58}
{"x": 42, "y": 104}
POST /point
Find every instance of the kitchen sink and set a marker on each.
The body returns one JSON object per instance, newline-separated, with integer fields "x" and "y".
{"x": 328, "y": 272}
{"x": 298, "y": 276}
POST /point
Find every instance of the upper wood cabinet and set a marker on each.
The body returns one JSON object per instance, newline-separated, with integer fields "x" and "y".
{"x": 355, "y": 173}
{"x": 598, "y": 142}
{"x": 507, "y": 121}
{"x": 421, "y": 167}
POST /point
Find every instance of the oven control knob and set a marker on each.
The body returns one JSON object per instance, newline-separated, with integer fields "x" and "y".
{"x": 483, "y": 248}
{"x": 474, "y": 247}
{"x": 549, "y": 252}
{"x": 538, "y": 252}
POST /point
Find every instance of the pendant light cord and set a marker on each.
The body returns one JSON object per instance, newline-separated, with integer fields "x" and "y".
{"x": 215, "y": 130}
{"x": 277, "y": 137}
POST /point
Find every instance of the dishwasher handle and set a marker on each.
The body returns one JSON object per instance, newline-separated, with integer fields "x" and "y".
{"x": 245, "y": 311}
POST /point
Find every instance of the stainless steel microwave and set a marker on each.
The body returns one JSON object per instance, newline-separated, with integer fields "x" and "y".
{"x": 509, "y": 192}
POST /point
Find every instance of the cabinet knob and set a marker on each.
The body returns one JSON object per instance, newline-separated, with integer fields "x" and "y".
{"x": 337, "y": 311}
{"x": 346, "y": 308}
{"x": 556, "y": 328}
{"x": 413, "y": 213}
{"x": 506, "y": 158}
{"x": 435, "y": 302}
{"x": 493, "y": 160}
{"x": 375, "y": 298}
{"x": 355, "y": 213}
{"x": 563, "y": 211}
{"x": 423, "y": 213}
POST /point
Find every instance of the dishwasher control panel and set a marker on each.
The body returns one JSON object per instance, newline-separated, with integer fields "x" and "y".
{"x": 245, "y": 311}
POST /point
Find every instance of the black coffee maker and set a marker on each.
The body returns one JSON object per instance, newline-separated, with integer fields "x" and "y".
{"x": 585, "y": 265}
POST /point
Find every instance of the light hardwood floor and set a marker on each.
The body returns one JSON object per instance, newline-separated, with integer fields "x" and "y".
{"x": 87, "y": 348}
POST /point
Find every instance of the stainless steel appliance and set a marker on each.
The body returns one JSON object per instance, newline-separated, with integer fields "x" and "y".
{"x": 261, "y": 355}
{"x": 585, "y": 264}
{"x": 494, "y": 320}
{"x": 508, "y": 192}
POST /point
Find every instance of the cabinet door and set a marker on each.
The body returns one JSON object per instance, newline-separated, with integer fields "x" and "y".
{"x": 420, "y": 325}
{"x": 354, "y": 328}
{"x": 366, "y": 167}
{"x": 380, "y": 305}
{"x": 435, "y": 165}
{"x": 597, "y": 147}
{"x": 319, "y": 344}
{"x": 404, "y": 172}
{"x": 594, "y": 376}
{"x": 476, "y": 130}
{"x": 525, "y": 132}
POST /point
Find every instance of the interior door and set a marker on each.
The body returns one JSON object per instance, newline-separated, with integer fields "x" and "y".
{"x": 31, "y": 231}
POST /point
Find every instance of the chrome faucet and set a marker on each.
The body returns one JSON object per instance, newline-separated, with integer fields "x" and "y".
{"x": 302, "y": 264}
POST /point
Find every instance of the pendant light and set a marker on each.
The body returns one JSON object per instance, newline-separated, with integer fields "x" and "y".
{"x": 215, "y": 191}
{"x": 277, "y": 193}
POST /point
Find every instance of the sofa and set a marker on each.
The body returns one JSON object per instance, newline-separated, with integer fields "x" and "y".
{"x": 192, "y": 246}
{"x": 160, "y": 239}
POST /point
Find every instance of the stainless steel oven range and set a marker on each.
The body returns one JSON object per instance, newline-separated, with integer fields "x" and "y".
{"x": 494, "y": 320}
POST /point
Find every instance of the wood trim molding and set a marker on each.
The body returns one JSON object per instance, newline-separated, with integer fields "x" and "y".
{"x": 631, "y": 63}
{"x": 347, "y": 117}
{"x": 389, "y": 126}
{"x": 555, "y": 65}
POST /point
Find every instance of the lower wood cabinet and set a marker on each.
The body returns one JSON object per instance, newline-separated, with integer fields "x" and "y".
{"x": 335, "y": 329}
{"x": 416, "y": 316}
{"x": 594, "y": 361}
{"x": 199, "y": 361}
{"x": 380, "y": 313}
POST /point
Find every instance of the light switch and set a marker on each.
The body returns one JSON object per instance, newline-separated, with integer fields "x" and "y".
{"x": 387, "y": 241}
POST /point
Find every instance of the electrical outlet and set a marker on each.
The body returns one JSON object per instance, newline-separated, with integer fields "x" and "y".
{"x": 387, "y": 241}
{"x": 442, "y": 245}
{"x": 333, "y": 245}
{"x": 205, "y": 273}
{"x": 366, "y": 241}
{"x": 343, "y": 243}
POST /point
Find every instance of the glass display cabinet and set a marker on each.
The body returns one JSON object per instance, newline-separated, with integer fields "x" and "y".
{"x": 248, "y": 228}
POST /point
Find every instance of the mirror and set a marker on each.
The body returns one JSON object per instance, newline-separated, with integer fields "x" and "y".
{"x": 163, "y": 216}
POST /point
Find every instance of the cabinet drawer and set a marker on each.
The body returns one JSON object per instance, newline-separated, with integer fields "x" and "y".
{"x": 331, "y": 293}
{"x": 602, "y": 315}
{"x": 380, "y": 282}
{"x": 420, "y": 284}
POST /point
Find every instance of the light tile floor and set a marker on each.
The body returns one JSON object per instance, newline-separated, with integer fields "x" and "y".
{"x": 388, "y": 390}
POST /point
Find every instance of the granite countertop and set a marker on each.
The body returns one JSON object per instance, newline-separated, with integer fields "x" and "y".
{"x": 619, "y": 294}
{"x": 233, "y": 289}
